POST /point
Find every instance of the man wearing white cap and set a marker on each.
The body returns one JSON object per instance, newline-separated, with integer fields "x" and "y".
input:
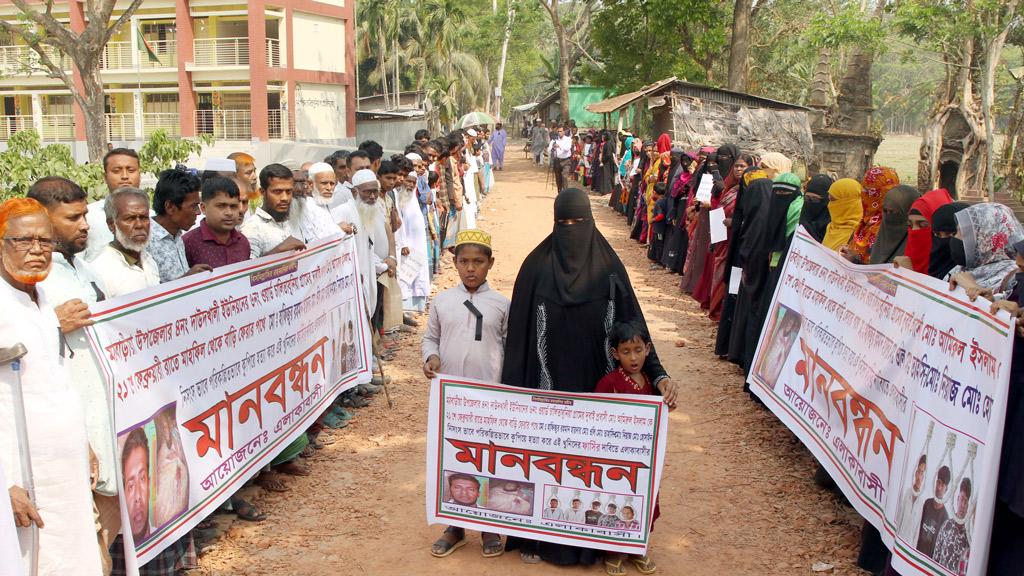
{"x": 313, "y": 211}
{"x": 367, "y": 223}
{"x": 414, "y": 279}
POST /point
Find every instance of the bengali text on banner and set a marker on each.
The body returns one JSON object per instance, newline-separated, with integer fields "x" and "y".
{"x": 578, "y": 469}
{"x": 213, "y": 375}
{"x": 898, "y": 387}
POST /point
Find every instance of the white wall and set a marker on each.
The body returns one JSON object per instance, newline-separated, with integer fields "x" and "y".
{"x": 319, "y": 42}
{"x": 319, "y": 112}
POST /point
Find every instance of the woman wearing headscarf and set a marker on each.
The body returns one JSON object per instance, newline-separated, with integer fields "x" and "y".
{"x": 919, "y": 222}
{"x": 892, "y": 234}
{"x": 630, "y": 175}
{"x": 658, "y": 173}
{"x": 608, "y": 164}
{"x": 636, "y": 198}
{"x": 570, "y": 291}
{"x": 845, "y": 210}
{"x": 596, "y": 168}
{"x": 720, "y": 251}
{"x": 748, "y": 226}
{"x": 940, "y": 261}
{"x": 727, "y": 156}
{"x": 699, "y": 227}
{"x": 775, "y": 163}
{"x": 876, "y": 184}
{"x": 783, "y": 217}
{"x": 815, "y": 217}
{"x": 615, "y": 201}
{"x": 675, "y": 236}
{"x": 982, "y": 248}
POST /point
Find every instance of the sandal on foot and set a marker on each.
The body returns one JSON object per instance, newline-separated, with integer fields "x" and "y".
{"x": 644, "y": 564}
{"x": 308, "y": 451}
{"x": 271, "y": 482}
{"x": 614, "y": 567}
{"x": 529, "y": 558}
{"x": 492, "y": 546}
{"x": 293, "y": 468}
{"x": 246, "y": 510}
{"x": 331, "y": 420}
{"x": 444, "y": 546}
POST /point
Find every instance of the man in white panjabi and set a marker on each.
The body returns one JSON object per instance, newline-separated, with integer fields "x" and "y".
{"x": 56, "y": 432}
{"x": 367, "y": 223}
{"x": 124, "y": 266}
{"x": 414, "y": 273}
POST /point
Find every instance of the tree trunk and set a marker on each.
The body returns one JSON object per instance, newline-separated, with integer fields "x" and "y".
{"x": 992, "y": 53}
{"x": 500, "y": 81}
{"x": 563, "y": 72}
{"x": 92, "y": 105}
{"x": 487, "y": 77}
{"x": 739, "y": 45}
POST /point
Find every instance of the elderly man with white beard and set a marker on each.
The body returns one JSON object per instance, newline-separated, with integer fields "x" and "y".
{"x": 123, "y": 265}
{"x": 367, "y": 223}
{"x": 414, "y": 279}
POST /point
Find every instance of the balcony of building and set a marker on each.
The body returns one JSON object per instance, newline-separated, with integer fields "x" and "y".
{"x": 223, "y": 42}
{"x": 19, "y": 60}
{"x": 49, "y": 115}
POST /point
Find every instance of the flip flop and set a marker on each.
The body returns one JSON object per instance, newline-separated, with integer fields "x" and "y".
{"x": 246, "y": 510}
{"x": 270, "y": 482}
{"x": 332, "y": 421}
{"x": 442, "y": 547}
{"x": 293, "y": 468}
{"x": 614, "y": 567}
{"x": 644, "y": 564}
{"x": 492, "y": 546}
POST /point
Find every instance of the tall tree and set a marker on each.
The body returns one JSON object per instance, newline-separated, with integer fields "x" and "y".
{"x": 571, "y": 21}
{"x": 42, "y": 29}
{"x": 500, "y": 82}
{"x": 739, "y": 44}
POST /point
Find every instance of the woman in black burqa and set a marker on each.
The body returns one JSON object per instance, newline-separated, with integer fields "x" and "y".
{"x": 570, "y": 291}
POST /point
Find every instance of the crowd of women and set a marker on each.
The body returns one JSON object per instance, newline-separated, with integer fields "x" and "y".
{"x": 872, "y": 219}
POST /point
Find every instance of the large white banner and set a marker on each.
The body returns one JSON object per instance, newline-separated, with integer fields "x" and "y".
{"x": 578, "y": 469}
{"x": 898, "y": 387}
{"x": 214, "y": 375}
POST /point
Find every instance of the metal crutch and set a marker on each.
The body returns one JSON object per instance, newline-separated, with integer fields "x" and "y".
{"x": 12, "y": 356}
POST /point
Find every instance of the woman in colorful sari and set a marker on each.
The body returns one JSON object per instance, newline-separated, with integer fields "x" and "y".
{"x": 657, "y": 173}
{"x": 720, "y": 168}
{"x": 876, "y": 184}
{"x": 615, "y": 201}
{"x": 720, "y": 251}
{"x": 691, "y": 225}
{"x": 639, "y": 208}
{"x": 675, "y": 205}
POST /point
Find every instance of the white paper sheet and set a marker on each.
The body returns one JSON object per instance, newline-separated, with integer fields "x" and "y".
{"x": 704, "y": 189}
{"x": 718, "y": 229}
{"x": 734, "y": 280}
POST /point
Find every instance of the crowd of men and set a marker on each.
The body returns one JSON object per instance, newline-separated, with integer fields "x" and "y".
{"x": 61, "y": 255}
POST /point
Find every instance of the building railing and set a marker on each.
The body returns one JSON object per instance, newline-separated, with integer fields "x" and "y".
{"x": 120, "y": 127}
{"x": 15, "y": 60}
{"x": 166, "y": 121}
{"x": 273, "y": 53}
{"x": 58, "y": 127}
{"x": 221, "y": 51}
{"x": 117, "y": 56}
{"x": 11, "y": 124}
{"x": 278, "y": 127}
{"x": 166, "y": 52}
{"x": 225, "y": 124}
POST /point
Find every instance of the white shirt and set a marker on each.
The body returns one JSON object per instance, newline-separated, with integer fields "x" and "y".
{"x": 312, "y": 220}
{"x": 575, "y": 516}
{"x": 342, "y": 194}
{"x": 265, "y": 233}
{"x": 67, "y": 282}
{"x": 451, "y": 332}
{"x": 369, "y": 264}
{"x": 120, "y": 276}
{"x": 562, "y": 147}
{"x": 99, "y": 233}
{"x": 57, "y": 438}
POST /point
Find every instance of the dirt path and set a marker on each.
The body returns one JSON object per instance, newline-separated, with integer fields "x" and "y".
{"x": 737, "y": 493}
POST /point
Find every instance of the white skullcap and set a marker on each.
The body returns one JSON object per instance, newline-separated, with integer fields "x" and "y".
{"x": 319, "y": 168}
{"x": 220, "y": 165}
{"x": 363, "y": 176}
{"x": 412, "y": 175}
{"x": 471, "y": 132}
{"x": 414, "y": 157}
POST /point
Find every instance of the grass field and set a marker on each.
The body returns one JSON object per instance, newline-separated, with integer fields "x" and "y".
{"x": 901, "y": 153}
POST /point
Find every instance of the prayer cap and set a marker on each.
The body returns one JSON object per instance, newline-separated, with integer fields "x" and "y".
{"x": 471, "y": 132}
{"x": 363, "y": 176}
{"x": 414, "y": 157}
{"x": 319, "y": 168}
{"x": 412, "y": 175}
{"x": 473, "y": 236}
{"x": 220, "y": 165}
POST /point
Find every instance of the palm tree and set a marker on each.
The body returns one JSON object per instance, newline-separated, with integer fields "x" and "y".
{"x": 434, "y": 50}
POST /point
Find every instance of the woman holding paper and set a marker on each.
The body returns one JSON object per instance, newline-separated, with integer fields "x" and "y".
{"x": 720, "y": 250}
{"x": 707, "y": 185}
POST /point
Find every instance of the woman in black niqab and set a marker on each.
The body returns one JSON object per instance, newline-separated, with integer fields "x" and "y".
{"x": 570, "y": 290}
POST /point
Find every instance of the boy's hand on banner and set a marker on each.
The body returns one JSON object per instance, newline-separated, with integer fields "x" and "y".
{"x": 431, "y": 366}
{"x": 669, "y": 391}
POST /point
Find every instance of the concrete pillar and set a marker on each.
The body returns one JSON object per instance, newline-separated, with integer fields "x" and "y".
{"x": 258, "y": 70}
{"x": 186, "y": 53}
{"x": 350, "y": 70}
{"x": 37, "y": 113}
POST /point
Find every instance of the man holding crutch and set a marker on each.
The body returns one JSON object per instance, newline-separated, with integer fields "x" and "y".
{"x": 44, "y": 448}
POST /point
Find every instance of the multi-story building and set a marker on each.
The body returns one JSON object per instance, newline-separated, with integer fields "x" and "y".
{"x": 260, "y": 71}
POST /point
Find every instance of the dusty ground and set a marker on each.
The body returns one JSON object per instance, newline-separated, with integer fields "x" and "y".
{"x": 737, "y": 492}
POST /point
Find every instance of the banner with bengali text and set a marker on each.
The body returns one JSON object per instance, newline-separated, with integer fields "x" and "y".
{"x": 214, "y": 375}
{"x": 577, "y": 469}
{"x": 898, "y": 387}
